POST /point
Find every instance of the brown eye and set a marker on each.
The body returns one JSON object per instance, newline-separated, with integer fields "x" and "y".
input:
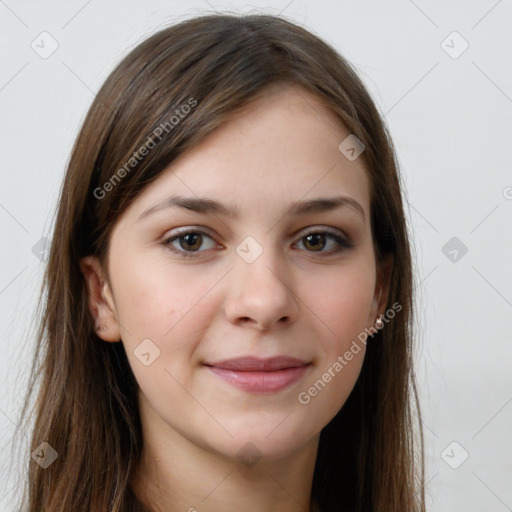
{"x": 187, "y": 243}
{"x": 315, "y": 241}
{"x": 191, "y": 241}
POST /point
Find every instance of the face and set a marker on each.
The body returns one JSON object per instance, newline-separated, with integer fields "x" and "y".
{"x": 230, "y": 314}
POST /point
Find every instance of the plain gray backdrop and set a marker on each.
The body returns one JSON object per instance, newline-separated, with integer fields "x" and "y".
{"x": 441, "y": 75}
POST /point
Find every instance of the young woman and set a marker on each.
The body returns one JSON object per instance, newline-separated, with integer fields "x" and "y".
{"x": 228, "y": 303}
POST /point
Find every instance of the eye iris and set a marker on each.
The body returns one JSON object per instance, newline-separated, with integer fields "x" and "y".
{"x": 315, "y": 236}
{"x": 191, "y": 239}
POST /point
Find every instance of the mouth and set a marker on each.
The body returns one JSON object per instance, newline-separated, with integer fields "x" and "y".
{"x": 257, "y": 375}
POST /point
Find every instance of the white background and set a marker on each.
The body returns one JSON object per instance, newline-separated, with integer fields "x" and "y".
{"x": 451, "y": 120}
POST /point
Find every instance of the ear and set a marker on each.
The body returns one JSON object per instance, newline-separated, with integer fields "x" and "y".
{"x": 100, "y": 298}
{"x": 381, "y": 296}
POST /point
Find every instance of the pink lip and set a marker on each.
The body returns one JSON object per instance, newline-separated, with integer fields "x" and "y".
{"x": 260, "y": 375}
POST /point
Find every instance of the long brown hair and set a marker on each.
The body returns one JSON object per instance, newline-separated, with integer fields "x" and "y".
{"x": 370, "y": 455}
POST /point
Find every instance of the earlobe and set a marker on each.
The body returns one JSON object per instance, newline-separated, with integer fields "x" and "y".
{"x": 100, "y": 299}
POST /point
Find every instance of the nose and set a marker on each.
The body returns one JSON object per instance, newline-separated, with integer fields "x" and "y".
{"x": 261, "y": 293}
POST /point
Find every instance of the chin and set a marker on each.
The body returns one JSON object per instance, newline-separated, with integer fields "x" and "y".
{"x": 251, "y": 442}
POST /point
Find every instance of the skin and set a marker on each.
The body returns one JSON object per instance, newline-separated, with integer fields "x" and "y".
{"x": 294, "y": 299}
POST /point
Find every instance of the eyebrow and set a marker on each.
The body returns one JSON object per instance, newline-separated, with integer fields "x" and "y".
{"x": 206, "y": 205}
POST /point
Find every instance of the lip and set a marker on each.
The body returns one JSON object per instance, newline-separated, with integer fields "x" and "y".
{"x": 258, "y": 375}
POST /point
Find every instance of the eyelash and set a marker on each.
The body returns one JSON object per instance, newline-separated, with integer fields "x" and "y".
{"x": 343, "y": 244}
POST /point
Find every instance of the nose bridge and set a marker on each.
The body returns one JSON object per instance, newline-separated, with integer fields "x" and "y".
{"x": 260, "y": 257}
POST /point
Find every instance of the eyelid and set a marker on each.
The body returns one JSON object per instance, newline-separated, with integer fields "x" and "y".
{"x": 323, "y": 229}
{"x": 189, "y": 229}
{"x": 306, "y": 231}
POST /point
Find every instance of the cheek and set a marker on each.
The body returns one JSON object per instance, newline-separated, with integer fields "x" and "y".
{"x": 153, "y": 297}
{"x": 343, "y": 304}
{"x": 343, "y": 307}
{"x": 147, "y": 303}
{"x": 167, "y": 305}
{"x": 159, "y": 304}
{"x": 323, "y": 397}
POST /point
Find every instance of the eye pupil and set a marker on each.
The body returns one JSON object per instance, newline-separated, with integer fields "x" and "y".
{"x": 191, "y": 239}
{"x": 316, "y": 236}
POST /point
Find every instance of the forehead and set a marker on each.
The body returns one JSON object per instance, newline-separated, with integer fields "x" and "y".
{"x": 282, "y": 148}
